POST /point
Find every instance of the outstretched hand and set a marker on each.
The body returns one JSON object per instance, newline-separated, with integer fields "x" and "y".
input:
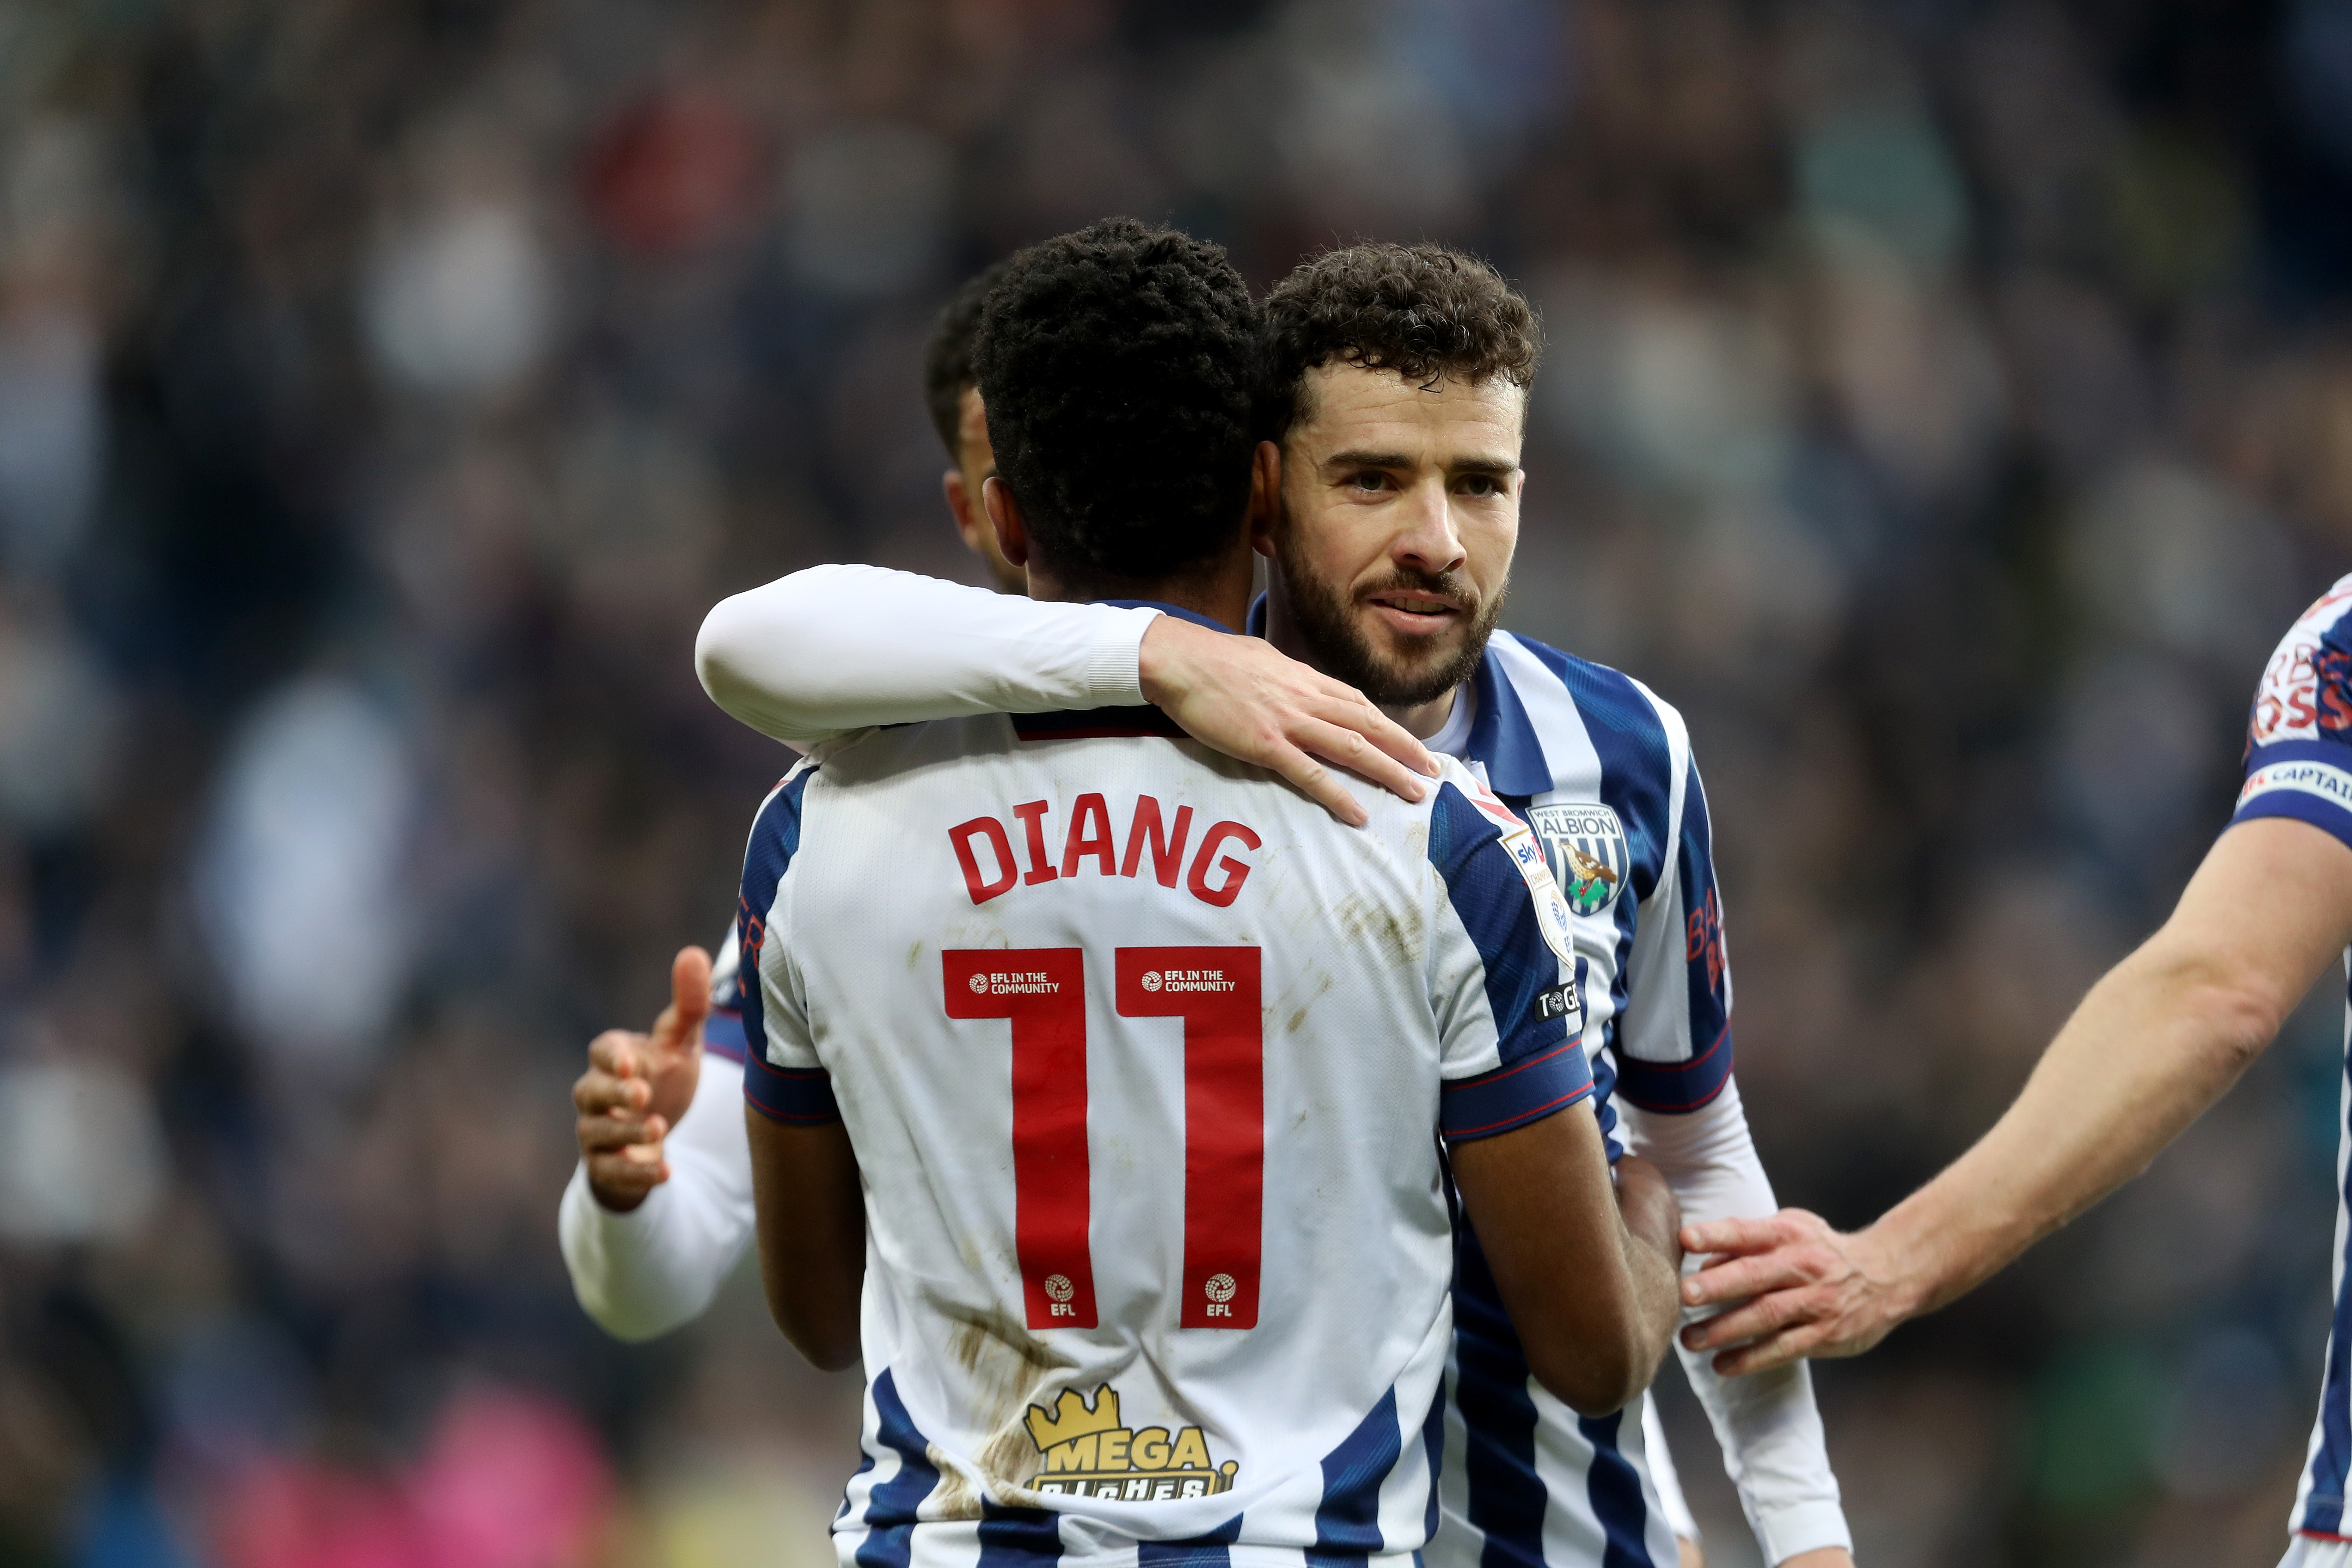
{"x": 1241, "y": 697}
{"x": 637, "y": 1086}
{"x": 1797, "y": 1288}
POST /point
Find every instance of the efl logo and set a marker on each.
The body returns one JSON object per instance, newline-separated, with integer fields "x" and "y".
{"x": 1219, "y": 1288}
{"x": 1059, "y": 1288}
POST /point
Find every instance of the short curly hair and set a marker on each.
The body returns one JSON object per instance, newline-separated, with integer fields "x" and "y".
{"x": 1421, "y": 311}
{"x": 947, "y": 358}
{"x": 1120, "y": 366}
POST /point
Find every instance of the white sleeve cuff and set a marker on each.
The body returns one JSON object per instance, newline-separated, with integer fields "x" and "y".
{"x": 1114, "y": 671}
{"x": 1787, "y": 1528}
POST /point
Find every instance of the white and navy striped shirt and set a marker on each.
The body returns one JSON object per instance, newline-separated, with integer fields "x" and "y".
{"x": 1602, "y": 768}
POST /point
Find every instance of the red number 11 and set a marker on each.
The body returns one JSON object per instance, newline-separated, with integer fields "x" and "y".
{"x": 1216, "y": 990}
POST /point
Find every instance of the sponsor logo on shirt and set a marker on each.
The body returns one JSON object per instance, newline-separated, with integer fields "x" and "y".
{"x": 1562, "y": 1001}
{"x": 1085, "y": 1451}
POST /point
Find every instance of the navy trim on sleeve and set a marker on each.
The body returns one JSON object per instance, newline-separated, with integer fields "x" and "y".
{"x": 2307, "y": 780}
{"x": 1542, "y": 1069}
{"x": 775, "y": 839}
{"x": 1510, "y": 1097}
{"x": 722, "y": 1033}
{"x": 1676, "y": 1087}
{"x": 798, "y": 1097}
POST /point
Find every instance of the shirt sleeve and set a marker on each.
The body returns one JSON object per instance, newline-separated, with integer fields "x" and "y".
{"x": 837, "y": 648}
{"x": 1673, "y": 1046}
{"x": 2299, "y": 735}
{"x": 1510, "y": 1021}
{"x": 648, "y": 1271}
{"x": 1767, "y": 1424}
{"x": 783, "y": 1078}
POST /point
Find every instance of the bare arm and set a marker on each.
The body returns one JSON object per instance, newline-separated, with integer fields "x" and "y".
{"x": 812, "y": 1230}
{"x": 1593, "y": 1305}
{"x": 2159, "y": 1039}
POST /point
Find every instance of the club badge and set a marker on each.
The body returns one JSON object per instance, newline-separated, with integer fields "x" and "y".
{"x": 1586, "y": 845}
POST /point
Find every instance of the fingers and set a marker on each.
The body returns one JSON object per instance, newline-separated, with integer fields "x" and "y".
{"x": 1762, "y": 1356}
{"x": 598, "y": 1092}
{"x": 620, "y": 1180}
{"x": 680, "y": 1023}
{"x": 1351, "y": 749}
{"x": 1317, "y": 783}
{"x": 1744, "y": 1277}
{"x": 619, "y": 1052}
{"x": 618, "y": 1130}
{"x": 1351, "y": 710}
{"x": 1742, "y": 1236}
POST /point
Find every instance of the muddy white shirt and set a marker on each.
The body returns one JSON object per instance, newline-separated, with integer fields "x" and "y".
{"x": 1159, "y": 1242}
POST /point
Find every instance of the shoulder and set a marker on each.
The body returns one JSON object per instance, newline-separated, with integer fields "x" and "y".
{"x": 1630, "y": 725}
{"x": 2306, "y": 689}
{"x": 1489, "y": 859}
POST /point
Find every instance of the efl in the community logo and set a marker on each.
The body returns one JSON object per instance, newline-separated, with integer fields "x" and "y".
{"x": 1585, "y": 844}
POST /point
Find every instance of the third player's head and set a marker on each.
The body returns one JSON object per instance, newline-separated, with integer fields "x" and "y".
{"x": 1118, "y": 365}
{"x": 1400, "y": 378}
{"x": 952, "y": 392}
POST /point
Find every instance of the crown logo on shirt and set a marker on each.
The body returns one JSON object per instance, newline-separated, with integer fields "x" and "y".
{"x": 1072, "y": 1419}
{"x": 1085, "y": 1451}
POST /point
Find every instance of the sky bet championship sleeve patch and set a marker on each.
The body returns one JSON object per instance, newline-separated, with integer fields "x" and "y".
{"x": 1527, "y": 854}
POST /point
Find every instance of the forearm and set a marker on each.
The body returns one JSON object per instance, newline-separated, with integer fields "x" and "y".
{"x": 835, "y": 649}
{"x": 1767, "y": 1425}
{"x": 645, "y": 1272}
{"x": 812, "y": 1229}
{"x": 2156, "y": 1042}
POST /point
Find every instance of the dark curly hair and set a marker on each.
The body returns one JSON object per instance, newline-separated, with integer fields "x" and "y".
{"x": 1119, "y": 367}
{"x": 1421, "y": 311}
{"x": 947, "y": 358}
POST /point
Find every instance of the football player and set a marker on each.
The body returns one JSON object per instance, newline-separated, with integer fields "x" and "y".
{"x": 2161, "y": 1037}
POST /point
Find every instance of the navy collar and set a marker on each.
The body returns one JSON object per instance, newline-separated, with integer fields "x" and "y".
{"x": 1502, "y": 737}
{"x": 1195, "y": 616}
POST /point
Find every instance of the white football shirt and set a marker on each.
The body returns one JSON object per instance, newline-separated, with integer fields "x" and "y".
{"x": 1146, "y": 1062}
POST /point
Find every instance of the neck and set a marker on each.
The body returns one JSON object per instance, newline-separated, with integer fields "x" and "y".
{"x": 1420, "y": 719}
{"x": 1219, "y": 589}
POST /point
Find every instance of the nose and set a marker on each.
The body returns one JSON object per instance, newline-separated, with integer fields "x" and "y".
{"x": 1428, "y": 539}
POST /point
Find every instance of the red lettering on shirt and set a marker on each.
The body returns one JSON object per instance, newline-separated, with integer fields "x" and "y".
{"x": 1032, "y": 814}
{"x": 1167, "y": 848}
{"x": 1236, "y": 872}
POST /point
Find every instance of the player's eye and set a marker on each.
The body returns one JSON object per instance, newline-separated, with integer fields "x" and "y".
{"x": 1481, "y": 485}
{"x": 1369, "y": 480}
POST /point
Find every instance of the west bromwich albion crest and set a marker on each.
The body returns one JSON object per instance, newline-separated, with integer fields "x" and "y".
{"x": 1586, "y": 845}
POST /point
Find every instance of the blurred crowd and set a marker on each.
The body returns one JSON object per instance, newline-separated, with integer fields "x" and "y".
{"x": 1947, "y": 405}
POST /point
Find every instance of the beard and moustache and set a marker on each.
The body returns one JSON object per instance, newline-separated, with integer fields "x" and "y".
{"x": 1337, "y": 645}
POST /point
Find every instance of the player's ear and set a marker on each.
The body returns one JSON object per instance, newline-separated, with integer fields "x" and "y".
{"x": 1004, "y": 512}
{"x": 1266, "y": 497}
{"x": 971, "y": 519}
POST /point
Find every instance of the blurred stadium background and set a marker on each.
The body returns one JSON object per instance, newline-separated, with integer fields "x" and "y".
{"x": 1947, "y": 405}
